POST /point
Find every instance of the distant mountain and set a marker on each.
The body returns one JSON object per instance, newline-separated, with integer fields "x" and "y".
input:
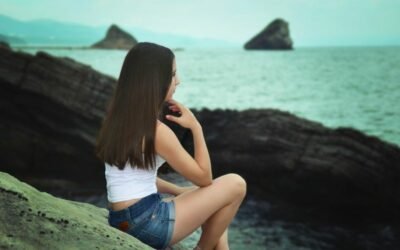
{"x": 12, "y": 40}
{"x": 50, "y": 32}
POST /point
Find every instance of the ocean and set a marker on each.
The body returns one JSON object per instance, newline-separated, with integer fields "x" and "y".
{"x": 355, "y": 87}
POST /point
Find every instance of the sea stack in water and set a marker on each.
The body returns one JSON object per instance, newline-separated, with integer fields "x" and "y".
{"x": 116, "y": 38}
{"x": 274, "y": 37}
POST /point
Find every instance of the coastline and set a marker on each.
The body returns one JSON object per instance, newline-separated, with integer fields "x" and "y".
{"x": 340, "y": 87}
{"x": 49, "y": 47}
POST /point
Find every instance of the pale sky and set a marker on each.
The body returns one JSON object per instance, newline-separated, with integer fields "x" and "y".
{"x": 311, "y": 22}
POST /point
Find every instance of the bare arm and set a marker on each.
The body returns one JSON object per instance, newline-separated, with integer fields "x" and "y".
{"x": 164, "y": 186}
{"x": 198, "y": 169}
{"x": 200, "y": 150}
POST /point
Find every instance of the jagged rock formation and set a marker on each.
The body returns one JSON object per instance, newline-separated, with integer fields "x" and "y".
{"x": 30, "y": 219}
{"x": 116, "y": 38}
{"x": 275, "y": 36}
{"x": 51, "y": 109}
{"x": 287, "y": 158}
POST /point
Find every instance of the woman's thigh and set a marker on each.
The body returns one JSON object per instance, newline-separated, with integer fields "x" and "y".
{"x": 194, "y": 207}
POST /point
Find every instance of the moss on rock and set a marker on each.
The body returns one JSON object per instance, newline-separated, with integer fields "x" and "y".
{"x": 30, "y": 219}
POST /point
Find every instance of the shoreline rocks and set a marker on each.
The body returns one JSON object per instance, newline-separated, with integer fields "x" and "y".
{"x": 275, "y": 36}
{"x": 312, "y": 169}
{"x": 116, "y": 38}
{"x": 51, "y": 109}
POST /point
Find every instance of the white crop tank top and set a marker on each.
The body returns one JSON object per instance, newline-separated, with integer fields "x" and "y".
{"x": 131, "y": 183}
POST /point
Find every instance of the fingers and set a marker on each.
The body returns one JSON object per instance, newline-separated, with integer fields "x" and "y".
{"x": 174, "y": 108}
{"x": 172, "y": 118}
{"x": 175, "y": 103}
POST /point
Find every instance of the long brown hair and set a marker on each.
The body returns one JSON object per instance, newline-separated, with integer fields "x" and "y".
{"x": 136, "y": 104}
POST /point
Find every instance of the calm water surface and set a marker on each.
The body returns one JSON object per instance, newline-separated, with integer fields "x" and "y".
{"x": 351, "y": 87}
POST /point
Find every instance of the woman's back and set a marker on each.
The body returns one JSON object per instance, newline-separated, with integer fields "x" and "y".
{"x": 131, "y": 183}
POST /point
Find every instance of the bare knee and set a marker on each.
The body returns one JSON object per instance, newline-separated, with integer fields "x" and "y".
{"x": 238, "y": 185}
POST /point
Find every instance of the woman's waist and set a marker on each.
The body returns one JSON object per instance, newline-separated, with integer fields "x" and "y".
{"x": 120, "y": 205}
{"x": 134, "y": 207}
{"x": 121, "y": 200}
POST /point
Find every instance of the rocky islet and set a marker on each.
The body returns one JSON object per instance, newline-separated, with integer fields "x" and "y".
{"x": 275, "y": 36}
{"x": 116, "y": 38}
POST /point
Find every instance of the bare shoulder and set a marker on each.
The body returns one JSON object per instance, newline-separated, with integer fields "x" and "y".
{"x": 162, "y": 129}
{"x": 164, "y": 137}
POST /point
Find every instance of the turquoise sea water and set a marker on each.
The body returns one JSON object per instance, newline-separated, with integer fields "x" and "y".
{"x": 351, "y": 87}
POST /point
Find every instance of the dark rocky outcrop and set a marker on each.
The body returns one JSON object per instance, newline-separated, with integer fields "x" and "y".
{"x": 52, "y": 109}
{"x": 116, "y": 38}
{"x": 275, "y": 36}
{"x": 287, "y": 158}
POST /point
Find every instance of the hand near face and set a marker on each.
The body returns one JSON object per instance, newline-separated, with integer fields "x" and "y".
{"x": 186, "y": 120}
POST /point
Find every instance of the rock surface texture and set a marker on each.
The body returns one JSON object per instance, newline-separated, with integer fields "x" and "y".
{"x": 116, "y": 38}
{"x": 275, "y": 36}
{"x": 51, "y": 110}
{"x": 287, "y": 158}
{"x": 30, "y": 219}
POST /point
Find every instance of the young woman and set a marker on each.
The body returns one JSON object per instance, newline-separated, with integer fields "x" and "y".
{"x": 134, "y": 143}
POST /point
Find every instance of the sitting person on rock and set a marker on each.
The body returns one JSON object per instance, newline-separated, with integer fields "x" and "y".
{"x": 133, "y": 142}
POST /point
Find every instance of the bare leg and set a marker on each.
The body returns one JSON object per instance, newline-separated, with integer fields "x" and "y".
{"x": 222, "y": 218}
{"x": 217, "y": 204}
{"x": 223, "y": 240}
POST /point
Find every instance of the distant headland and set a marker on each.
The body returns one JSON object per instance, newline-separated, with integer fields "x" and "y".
{"x": 275, "y": 36}
{"x": 116, "y": 38}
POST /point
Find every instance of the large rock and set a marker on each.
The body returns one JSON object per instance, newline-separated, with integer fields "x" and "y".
{"x": 51, "y": 110}
{"x": 287, "y": 158}
{"x": 275, "y": 36}
{"x": 30, "y": 219}
{"x": 116, "y": 38}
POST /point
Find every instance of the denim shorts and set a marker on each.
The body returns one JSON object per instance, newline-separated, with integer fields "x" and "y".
{"x": 151, "y": 220}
